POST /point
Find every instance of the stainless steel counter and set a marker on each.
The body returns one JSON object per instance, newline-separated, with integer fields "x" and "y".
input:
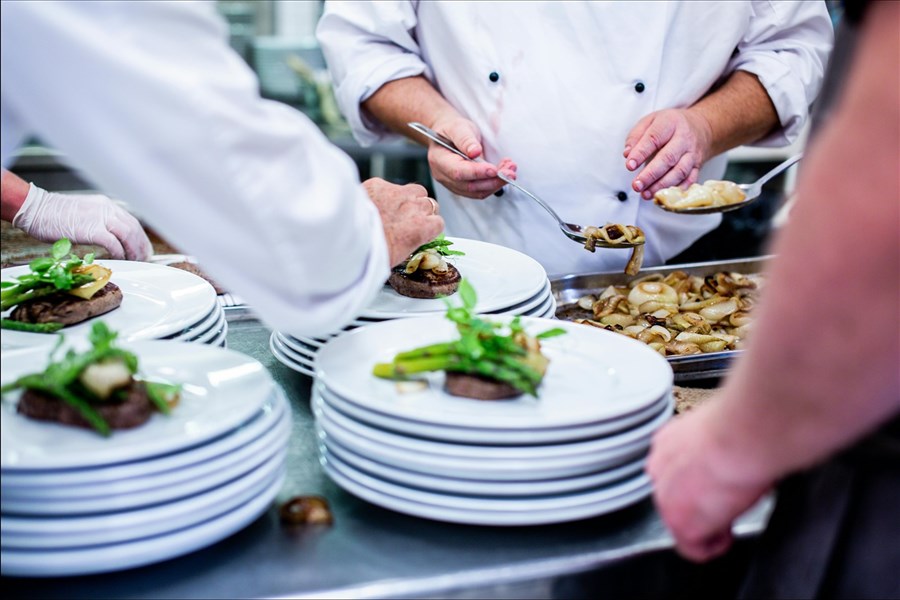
{"x": 370, "y": 552}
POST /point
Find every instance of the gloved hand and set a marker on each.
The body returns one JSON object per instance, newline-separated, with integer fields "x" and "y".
{"x": 84, "y": 219}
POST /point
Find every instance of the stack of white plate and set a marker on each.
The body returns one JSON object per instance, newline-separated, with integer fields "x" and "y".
{"x": 158, "y": 302}
{"x": 74, "y": 502}
{"x": 507, "y": 283}
{"x": 575, "y": 451}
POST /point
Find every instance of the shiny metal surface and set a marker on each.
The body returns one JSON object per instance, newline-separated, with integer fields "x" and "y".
{"x": 370, "y": 552}
{"x": 570, "y": 288}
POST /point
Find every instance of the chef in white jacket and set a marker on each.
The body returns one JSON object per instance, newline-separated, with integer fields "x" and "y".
{"x": 591, "y": 105}
{"x": 150, "y": 102}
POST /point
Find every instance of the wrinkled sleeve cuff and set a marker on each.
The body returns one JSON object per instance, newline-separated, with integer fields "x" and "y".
{"x": 365, "y": 81}
{"x": 785, "y": 91}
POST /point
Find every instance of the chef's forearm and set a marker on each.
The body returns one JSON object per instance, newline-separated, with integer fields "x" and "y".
{"x": 738, "y": 112}
{"x": 821, "y": 369}
{"x": 13, "y": 191}
{"x": 402, "y": 101}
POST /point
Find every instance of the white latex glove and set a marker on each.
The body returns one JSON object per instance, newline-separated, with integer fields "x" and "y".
{"x": 84, "y": 219}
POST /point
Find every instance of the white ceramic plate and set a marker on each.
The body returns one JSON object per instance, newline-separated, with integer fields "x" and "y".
{"x": 143, "y": 490}
{"x": 594, "y": 375}
{"x": 487, "y": 503}
{"x": 202, "y": 325}
{"x": 261, "y": 424}
{"x": 301, "y": 344}
{"x": 471, "y": 487}
{"x": 493, "y": 518}
{"x": 502, "y": 277}
{"x": 497, "y": 437}
{"x": 294, "y": 350}
{"x": 115, "y": 557}
{"x": 484, "y": 470}
{"x": 157, "y": 301}
{"x": 541, "y": 310}
{"x": 112, "y": 528}
{"x": 530, "y": 305}
{"x": 221, "y": 338}
{"x": 209, "y": 323}
{"x": 281, "y": 357}
{"x": 101, "y": 503}
{"x": 214, "y": 333}
{"x": 428, "y": 448}
{"x": 220, "y": 390}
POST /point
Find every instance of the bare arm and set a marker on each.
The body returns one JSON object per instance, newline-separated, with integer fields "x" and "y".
{"x": 677, "y": 142}
{"x": 837, "y": 363}
{"x": 739, "y": 112}
{"x": 821, "y": 368}
{"x": 13, "y": 190}
{"x": 402, "y": 101}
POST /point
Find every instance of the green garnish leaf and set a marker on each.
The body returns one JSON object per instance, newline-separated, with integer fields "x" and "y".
{"x": 60, "y": 248}
{"x": 556, "y": 331}
{"x": 483, "y": 348}
{"x": 39, "y": 265}
{"x": 47, "y": 275}
{"x": 61, "y": 377}
{"x": 467, "y": 294}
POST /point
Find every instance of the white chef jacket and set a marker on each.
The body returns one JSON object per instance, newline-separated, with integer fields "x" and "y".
{"x": 149, "y": 101}
{"x": 567, "y": 93}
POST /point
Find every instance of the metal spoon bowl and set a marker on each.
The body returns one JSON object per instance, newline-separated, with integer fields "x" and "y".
{"x": 752, "y": 193}
{"x": 571, "y": 230}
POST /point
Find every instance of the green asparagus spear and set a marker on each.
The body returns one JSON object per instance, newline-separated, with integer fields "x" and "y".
{"x": 32, "y": 327}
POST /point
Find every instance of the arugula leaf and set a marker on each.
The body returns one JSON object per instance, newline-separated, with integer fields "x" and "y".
{"x": 556, "y": 331}
{"x": 441, "y": 245}
{"x": 47, "y": 275}
{"x": 60, "y": 248}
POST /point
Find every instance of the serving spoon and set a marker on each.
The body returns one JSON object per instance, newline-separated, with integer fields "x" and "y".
{"x": 752, "y": 192}
{"x": 573, "y": 232}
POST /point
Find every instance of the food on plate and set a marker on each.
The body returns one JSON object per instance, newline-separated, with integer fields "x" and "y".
{"x": 190, "y": 267}
{"x": 675, "y": 314}
{"x": 60, "y": 290}
{"x": 710, "y": 194}
{"x": 306, "y": 510}
{"x": 489, "y": 361}
{"x": 426, "y": 273}
{"x": 98, "y": 389}
{"x": 613, "y": 233}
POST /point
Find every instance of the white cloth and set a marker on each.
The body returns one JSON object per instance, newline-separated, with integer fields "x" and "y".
{"x": 148, "y": 100}
{"x": 566, "y": 99}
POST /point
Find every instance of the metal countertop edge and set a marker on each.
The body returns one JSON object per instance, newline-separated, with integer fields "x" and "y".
{"x": 746, "y": 526}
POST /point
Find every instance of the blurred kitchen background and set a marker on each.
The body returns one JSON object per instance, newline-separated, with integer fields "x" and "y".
{"x": 277, "y": 39}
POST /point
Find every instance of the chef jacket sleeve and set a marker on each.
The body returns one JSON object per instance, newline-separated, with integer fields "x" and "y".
{"x": 786, "y": 46}
{"x": 366, "y": 45}
{"x": 148, "y": 100}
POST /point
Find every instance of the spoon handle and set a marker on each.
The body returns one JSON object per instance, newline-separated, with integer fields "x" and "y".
{"x": 781, "y": 167}
{"x": 446, "y": 143}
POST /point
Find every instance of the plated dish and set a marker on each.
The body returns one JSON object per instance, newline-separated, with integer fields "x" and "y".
{"x": 220, "y": 390}
{"x": 157, "y": 301}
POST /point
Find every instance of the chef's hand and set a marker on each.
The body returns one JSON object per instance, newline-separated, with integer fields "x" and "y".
{"x": 409, "y": 217}
{"x": 674, "y": 143}
{"x": 476, "y": 180}
{"x": 699, "y": 487}
{"x": 84, "y": 219}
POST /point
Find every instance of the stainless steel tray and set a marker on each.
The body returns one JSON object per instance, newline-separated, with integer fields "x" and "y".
{"x": 569, "y": 288}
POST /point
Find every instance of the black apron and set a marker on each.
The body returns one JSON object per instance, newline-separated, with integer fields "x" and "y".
{"x": 835, "y": 530}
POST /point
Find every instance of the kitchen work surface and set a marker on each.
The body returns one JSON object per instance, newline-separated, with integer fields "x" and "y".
{"x": 371, "y": 552}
